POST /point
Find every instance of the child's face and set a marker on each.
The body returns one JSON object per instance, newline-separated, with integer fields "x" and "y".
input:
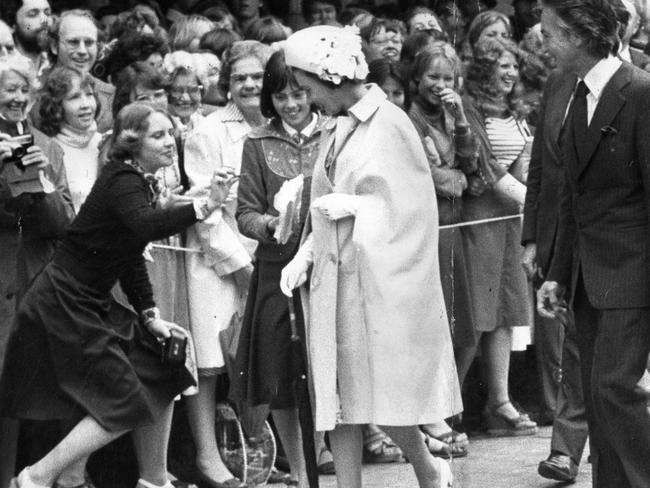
{"x": 395, "y": 91}
{"x": 438, "y": 76}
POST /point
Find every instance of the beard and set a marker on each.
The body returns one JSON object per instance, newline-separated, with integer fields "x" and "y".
{"x": 32, "y": 42}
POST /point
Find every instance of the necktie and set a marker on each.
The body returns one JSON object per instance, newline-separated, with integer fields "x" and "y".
{"x": 579, "y": 123}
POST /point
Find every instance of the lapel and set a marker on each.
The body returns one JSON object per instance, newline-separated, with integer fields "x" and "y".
{"x": 610, "y": 103}
{"x": 557, "y": 110}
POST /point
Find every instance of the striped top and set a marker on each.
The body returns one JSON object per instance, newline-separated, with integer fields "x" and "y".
{"x": 507, "y": 139}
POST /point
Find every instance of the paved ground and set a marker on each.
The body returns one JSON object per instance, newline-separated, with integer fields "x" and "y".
{"x": 491, "y": 463}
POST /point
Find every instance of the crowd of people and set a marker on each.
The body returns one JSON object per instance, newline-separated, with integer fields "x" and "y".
{"x": 321, "y": 204}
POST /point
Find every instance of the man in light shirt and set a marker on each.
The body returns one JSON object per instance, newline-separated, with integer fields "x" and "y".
{"x": 601, "y": 258}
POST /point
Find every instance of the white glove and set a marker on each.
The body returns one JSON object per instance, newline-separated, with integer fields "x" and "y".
{"x": 512, "y": 188}
{"x": 337, "y": 206}
{"x": 294, "y": 274}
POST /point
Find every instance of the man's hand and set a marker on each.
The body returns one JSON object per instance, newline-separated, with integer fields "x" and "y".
{"x": 529, "y": 263}
{"x": 550, "y": 302}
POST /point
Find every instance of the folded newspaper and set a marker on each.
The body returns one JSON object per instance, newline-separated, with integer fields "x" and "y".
{"x": 287, "y": 202}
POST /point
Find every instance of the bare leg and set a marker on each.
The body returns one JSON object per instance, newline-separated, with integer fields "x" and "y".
{"x": 287, "y": 423}
{"x": 496, "y": 349}
{"x": 410, "y": 440}
{"x": 86, "y": 437}
{"x": 8, "y": 441}
{"x": 464, "y": 358}
{"x": 347, "y": 447}
{"x": 151, "y": 448}
{"x": 201, "y": 409}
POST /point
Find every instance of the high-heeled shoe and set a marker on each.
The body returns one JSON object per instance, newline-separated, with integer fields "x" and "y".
{"x": 204, "y": 480}
{"x": 500, "y": 425}
{"x": 446, "y": 476}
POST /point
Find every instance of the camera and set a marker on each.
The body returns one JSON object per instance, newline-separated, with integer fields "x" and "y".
{"x": 19, "y": 146}
{"x": 21, "y": 178}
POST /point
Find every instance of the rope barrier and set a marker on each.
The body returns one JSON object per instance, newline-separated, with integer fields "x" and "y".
{"x": 442, "y": 227}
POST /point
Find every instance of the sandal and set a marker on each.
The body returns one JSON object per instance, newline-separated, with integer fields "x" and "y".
{"x": 325, "y": 462}
{"x": 442, "y": 449}
{"x": 499, "y": 425}
{"x": 378, "y": 448}
{"x": 451, "y": 437}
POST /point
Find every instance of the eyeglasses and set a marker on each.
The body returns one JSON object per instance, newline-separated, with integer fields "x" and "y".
{"x": 151, "y": 96}
{"x": 241, "y": 78}
{"x": 179, "y": 91}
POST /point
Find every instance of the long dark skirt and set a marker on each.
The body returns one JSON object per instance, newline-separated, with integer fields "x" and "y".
{"x": 74, "y": 351}
{"x": 268, "y": 363}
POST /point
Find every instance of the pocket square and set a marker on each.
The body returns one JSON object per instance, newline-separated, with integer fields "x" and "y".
{"x": 608, "y": 130}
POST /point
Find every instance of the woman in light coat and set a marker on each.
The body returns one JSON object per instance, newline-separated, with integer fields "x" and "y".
{"x": 378, "y": 339}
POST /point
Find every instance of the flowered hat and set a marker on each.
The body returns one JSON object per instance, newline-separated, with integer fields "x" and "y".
{"x": 332, "y": 53}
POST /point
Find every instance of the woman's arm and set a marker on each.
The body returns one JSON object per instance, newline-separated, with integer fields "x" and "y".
{"x": 137, "y": 286}
{"x": 129, "y": 200}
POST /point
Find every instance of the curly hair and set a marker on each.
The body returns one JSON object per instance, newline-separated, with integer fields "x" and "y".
{"x": 218, "y": 41}
{"x": 187, "y": 29}
{"x": 266, "y": 29}
{"x": 56, "y": 88}
{"x": 484, "y": 20}
{"x": 134, "y": 46}
{"x": 593, "y": 21}
{"x": 238, "y": 51}
{"x": 129, "y": 128}
{"x": 139, "y": 73}
{"x": 481, "y": 78}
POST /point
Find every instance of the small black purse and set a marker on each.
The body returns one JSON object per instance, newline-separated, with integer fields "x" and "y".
{"x": 174, "y": 348}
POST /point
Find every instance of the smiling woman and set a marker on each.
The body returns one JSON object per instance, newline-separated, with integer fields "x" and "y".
{"x": 68, "y": 109}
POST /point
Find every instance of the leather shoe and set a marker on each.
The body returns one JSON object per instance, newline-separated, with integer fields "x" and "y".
{"x": 558, "y": 467}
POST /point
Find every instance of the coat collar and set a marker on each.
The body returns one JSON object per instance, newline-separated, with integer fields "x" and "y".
{"x": 368, "y": 104}
{"x": 275, "y": 129}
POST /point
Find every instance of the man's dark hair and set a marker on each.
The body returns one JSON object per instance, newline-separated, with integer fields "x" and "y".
{"x": 8, "y": 10}
{"x": 594, "y": 21}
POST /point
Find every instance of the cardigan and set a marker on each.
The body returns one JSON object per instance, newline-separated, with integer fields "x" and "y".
{"x": 105, "y": 242}
{"x": 271, "y": 157}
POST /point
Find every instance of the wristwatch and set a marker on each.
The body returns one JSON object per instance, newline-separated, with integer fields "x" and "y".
{"x": 149, "y": 315}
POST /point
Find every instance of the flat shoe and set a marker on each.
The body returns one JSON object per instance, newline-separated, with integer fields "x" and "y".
{"x": 558, "y": 467}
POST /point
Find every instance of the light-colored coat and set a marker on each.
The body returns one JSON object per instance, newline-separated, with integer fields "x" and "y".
{"x": 214, "y": 298}
{"x": 378, "y": 338}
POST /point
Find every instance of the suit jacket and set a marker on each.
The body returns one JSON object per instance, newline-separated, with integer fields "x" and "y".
{"x": 545, "y": 172}
{"x": 604, "y": 230}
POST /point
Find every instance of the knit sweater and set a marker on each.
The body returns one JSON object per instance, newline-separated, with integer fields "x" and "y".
{"x": 105, "y": 242}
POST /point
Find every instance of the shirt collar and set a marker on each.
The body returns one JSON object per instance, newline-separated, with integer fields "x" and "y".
{"x": 625, "y": 53}
{"x": 600, "y": 74}
{"x": 368, "y": 104}
{"x": 231, "y": 113}
{"x": 306, "y": 132}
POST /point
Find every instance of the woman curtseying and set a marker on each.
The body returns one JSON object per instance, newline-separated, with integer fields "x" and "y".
{"x": 74, "y": 352}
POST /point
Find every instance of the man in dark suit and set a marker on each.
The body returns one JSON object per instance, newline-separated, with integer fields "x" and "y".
{"x": 555, "y": 341}
{"x": 602, "y": 252}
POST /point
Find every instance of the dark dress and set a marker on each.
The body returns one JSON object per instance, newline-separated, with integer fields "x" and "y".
{"x": 456, "y": 151}
{"x": 74, "y": 350}
{"x": 268, "y": 364}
